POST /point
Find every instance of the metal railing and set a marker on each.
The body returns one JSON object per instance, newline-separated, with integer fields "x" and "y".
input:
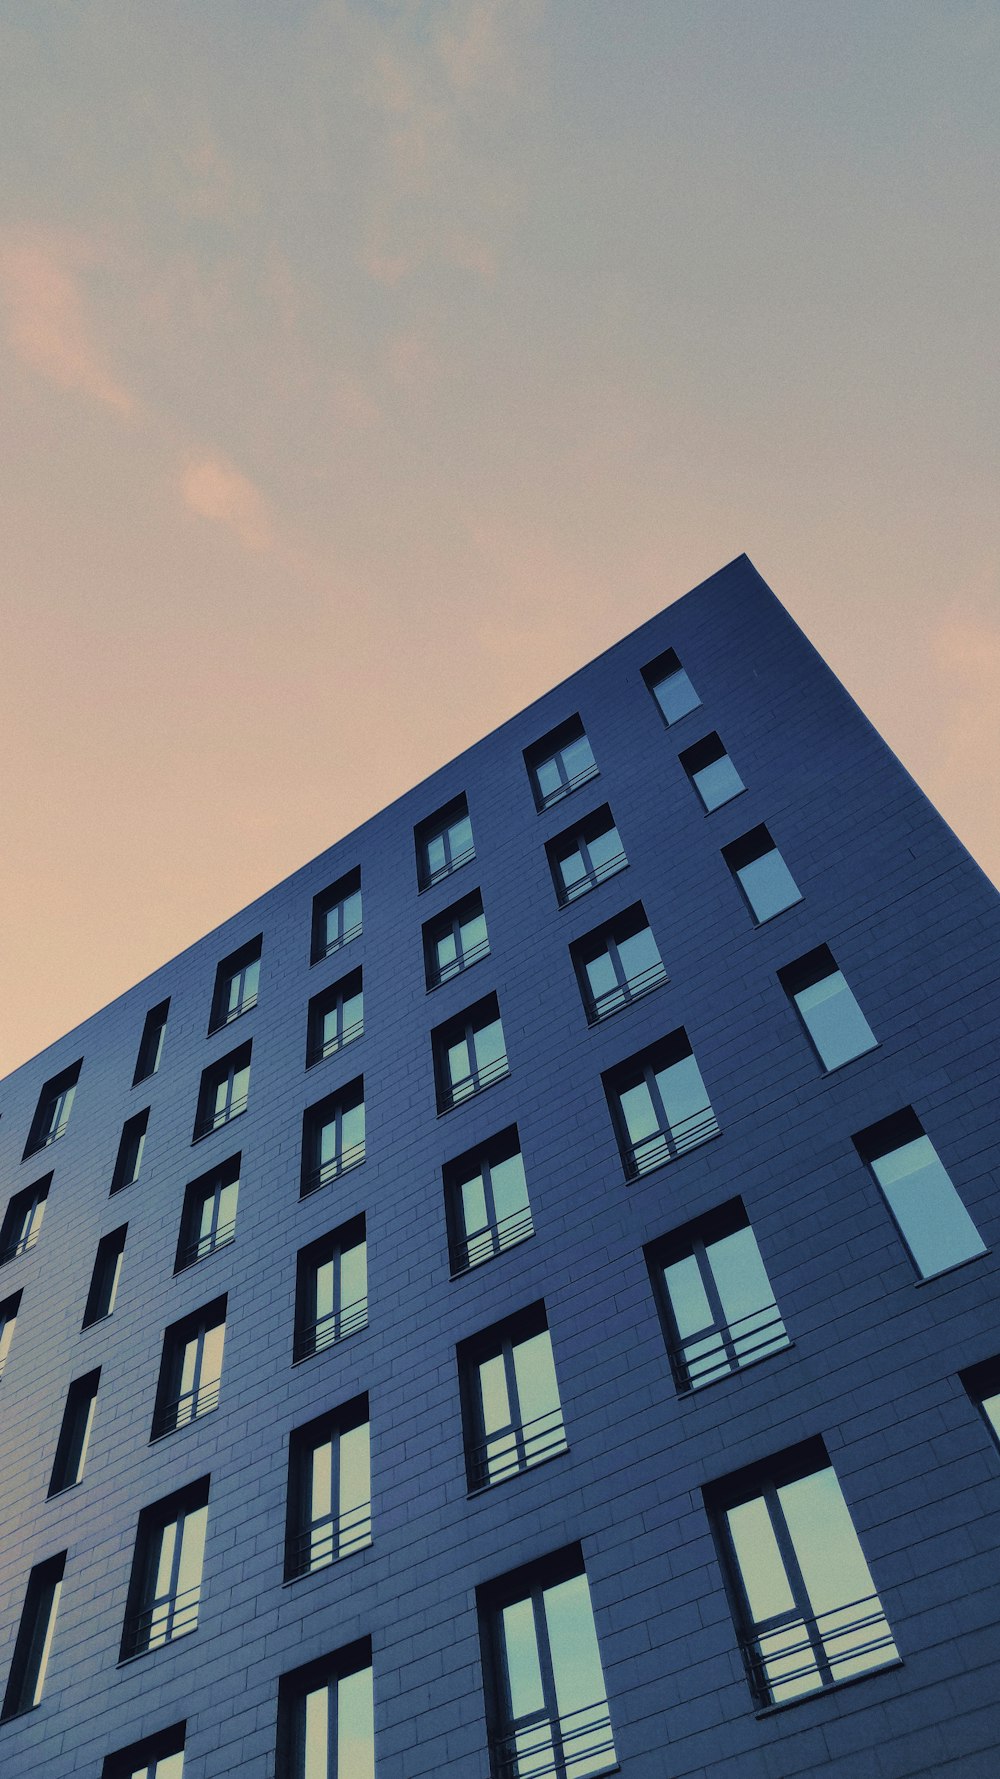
{"x": 482, "y": 1244}
{"x": 162, "y": 1622}
{"x": 574, "y": 1745}
{"x": 732, "y": 1348}
{"x": 215, "y": 1120}
{"x": 666, "y": 1145}
{"x": 326, "y": 1330}
{"x": 203, "y": 1245}
{"x": 444, "y": 972}
{"x": 467, "y": 1085}
{"x": 510, "y": 1450}
{"x": 187, "y": 1407}
{"x": 329, "y": 1539}
{"x": 342, "y": 939}
{"x": 338, "y": 1041}
{"x": 244, "y": 1006}
{"x": 624, "y": 993}
{"x": 457, "y": 859}
{"x": 595, "y": 875}
{"x": 795, "y": 1654}
{"x": 353, "y": 1156}
{"x": 585, "y": 774}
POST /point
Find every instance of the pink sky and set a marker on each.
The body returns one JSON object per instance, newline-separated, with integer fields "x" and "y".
{"x": 367, "y": 366}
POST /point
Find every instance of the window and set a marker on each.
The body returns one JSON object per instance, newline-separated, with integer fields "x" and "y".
{"x": 827, "y": 1008}
{"x": 331, "y": 1289}
{"x": 469, "y": 1053}
{"x": 715, "y": 1297}
{"x": 806, "y": 1609}
{"x": 326, "y": 1719}
{"x": 982, "y": 1384}
{"x": 155, "y": 1757}
{"x": 931, "y": 1218}
{"x": 8, "y": 1322}
{"x": 510, "y": 1399}
{"x": 546, "y": 1701}
{"x": 455, "y": 940}
{"x": 55, "y": 1102}
{"x": 151, "y": 1044}
{"x": 33, "y": 1644}
{"x": 74, "y": 1434}
{"x": 712, "y": 772}
{"x": 560, "y": 762}
{"x": 223, "y": 1092}
{"x": 617, "y": 964}
{"x": 486, "y": 1198}
{"x": 208, "y": 1219}
{"x": 23, "y": 1220}
{"x": 130, "y": 1148}
{"x": 336, "y": 1018}
{"x": 333, "y": 1137}
{"x": 190, "y": 1369}
{"x": 444, "y": 843}
{"x": 584, "y": 856}
{"x": 106, "y": 1274}
{"x": 237, "y": 980}
{"x": 329, "y": 1490}
{"x": 336, "y": 916}
{"x": 666, "y": 679}
{"x": 165, "y": 1587}
{"x": 659, "y": 1104}
{"x": 761, "y": 873}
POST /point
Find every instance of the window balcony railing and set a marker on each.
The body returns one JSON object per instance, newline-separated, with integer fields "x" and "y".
{"x": 465, "y": 1087}
{"x": 202, "y": 1245}
{"x": 222, "y": 1115}
{"x": 455, "y": 863}
{"x": 593, "y": 876}
{"x": 585, "y": 774}
{"x": 483, "y": 1244}
{"x": 794, "y": 1654}
{"x": 330, "y": 1046}
{"x": 624, "y": 993}
{"x": 162, "y": 1622}
{"x": 721, "y": 1350}
{"x": 340, "y": 939}
{"x": 326, "y": 1330}
{"x": 464, "y": 961}
{"x": 666, "y": 1145}
{"x": 329, "y": 1539}
{"x": 332, "y": 1169}
{"x": 243, "y": 1005}
{"x": 189, "y": 1406}
{"x": 511, "y": 1450}
{"x": 574, "y": 1745}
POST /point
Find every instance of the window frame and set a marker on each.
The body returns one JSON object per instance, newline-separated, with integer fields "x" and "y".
{"x": 886, "y": 1137}
{"x": 692, "y": 1240}
{"x": 605, "y": 941}
{"x": 197, "y": 1193}
{"x": 464, "y": 1027}
{"x": 34, "y": 1638}
{"x": 674, "y": 1048}
{"x": 346, "y": 1540}
{"x": 656, "y": 673}
{"x": 225, "y": 1070}
{"x": 440, "y": 826}
{"x": 127, "y": 1763}
{"x": 109, "y": 1258}
{"x": 809, "y": 971}
{"x": 52, "y": 1112}
{"x": 478, "y": 1163}
{"x": 22, "y": 1220}
{"x": 75, "y": 1433}
{"x": 697, "y": 758}
{"x": 530, "y": 1448}
{"x": 333, "y": 999}
{"x": 317, "y": 1118}
{"x": 143, "y": 1603}
{"x": 346, "y": 1318}
{"x": 9, "y": 1311}
{"x": 174, "y": 1408}
{"x": 748, "y": 850}
{"x": 235, "y": 967}
{"x": 579, "y": 840}
{"x": 981, "y": 1383}
{"x": 296, "y": 1686}
{"x": 549, "y": 750}
{"x": 450, "y": 922}
{"x": 335, "y": 897}
{"x": 131, "y": 1145}
{"x": 154, "y": 1033}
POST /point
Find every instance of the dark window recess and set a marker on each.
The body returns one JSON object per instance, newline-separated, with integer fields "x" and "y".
{"x": 807, "y": 1613}
{"x": 190, "y": 1369}
{"x": 982, "y": 1385}
{"x": 23, "y": 1220}
{"x": 237, "y": 981}
{"x": 444, "y": 842}
{"x": 329, "y": 1489}
{"x": 130, "y": 1148}
{"x": 659, "y": 1105}
{"x": 585, "y": 856}
{"x": 486, "y": 1201}
{"x": 617, "y": 964}
{"x": 33, "y": 1644}
{"x": 668, "y": 683}
{"x": 105, "y": 1277}
{"x": 559, "y": 763}
{"x": 327, "y": 1705}
{"x": 835, "y": 1023}
{"x": 469, "y": 1053}
{"x": 223, "y": 1092}
{"x": 208, "y": 1219}
{"x": 331, "y": 1289}
{"x": 715, "y": 1298}
{"x": 455, "y": 940}
{"x": 55, "y": 1102}
{"x": 766, "y": 883}
{"x": 165, "y": 1587}
{"x": 510, "y": 1399}
{"x": 8, "y": 1322}
{"x": 712, "y": 772}
{"x": 336, "y": 915}
{"x": 151, "y": 1044}
{"x": 74, "y": 1434}
{"x": 333, "y": 1136}
{"x": 155, "y": 1757}
{"x": 336, "y": 1018}
{"x": 932, "y": 1220}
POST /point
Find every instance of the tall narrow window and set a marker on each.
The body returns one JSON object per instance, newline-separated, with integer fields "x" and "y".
{"x": 336, "y": 916}
{"x": 151, "y": 1044}
{"x": 336, "y": 1018}
{"x": 807, "y": 1612}
{"x": 130, "y": 1151}
{"x": 547, "y": 1703}
{"x": 23, "y": 1220}
{"x": 982, "y": 1383}
{"x": 455, "y": 940}
{"x": 155, "y": 1757}
{"x": 190, "y": 1369}
{"x": 165, "y": 1588}
{"x": 760, "y": 871}
{"x": 617, "y": 964}
{"x": 33, "y": 1645}
{"x": 510, "y": 1397}
{"x": 331, "y": 1289}
{"x": 827, "y": 1008}
{"x": 329, "y": 1489}
{"x": 669, "y": 684}
{"x": 8, "y": 1322}
{"x": 74, "y": 1434}
{"x": 208, "y": 1219}
{"x": 107, "y": 1272}
{"x": 659, "y": 1104}
{"x": 237, "y": 981}
{"x": 55, "y": 1102}
{"x": 715, "y": 1297}
{"x": 469, "y": 1053}
{"x": 486, "y": 1196}
{"x": 559, "y": 763}
{"x": 444, "y": 843}
{"x": 712, "y": 772}
{"x": 928, "y": 1212}
{"x": 223, "y": 1092}
{"x": 326, "y": 1720}
{"x": 585, "y": 856}
{"x": 333, "y": 1137}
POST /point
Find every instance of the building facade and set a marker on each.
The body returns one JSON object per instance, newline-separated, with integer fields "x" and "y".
{"x": 521, "y": 1298}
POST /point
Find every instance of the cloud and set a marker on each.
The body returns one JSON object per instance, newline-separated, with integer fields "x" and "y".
{"x": 47, "y": 325}
{"x": 215, "y": 490}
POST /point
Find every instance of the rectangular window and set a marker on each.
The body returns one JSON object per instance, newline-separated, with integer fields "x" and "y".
{"x": 208, "y": 1219}
{"x": 469, "y": 1053}
{"x": 74, "y": 1434}
{"x": 336, "y": 916}
{"x": 8, "y": 1322}
{"x": 55, "y": 1102}
{"x": 806, "y": 1609}
{"x": 659, "y": 1105}
{"x": 510, "y": 1399}
{"x": 935, "y": 1226}
{"x": 585, "y": 856}
{"x": 455, "y": 940}
{"x": 151, "y": 1044}
{"x": 326, "y": 1719}
{"x": 130, "y": 1148}
{"x": 827, "y": 1008}
{"x": 23, "y": 1220}
{"x": 486, "y": 1199}
{"x": 165, "y": 1587}
{"x": 333, "y": 1137}
{"x": 33, "y": 1644}
{"x": 715, "y": 1298}
{"x": 331, "y": 1289}
{"x": 982, "y": 1384}
{"x": 223, "y": 1092}
{"x": 547, "y": 1703}
{"x": 559, "y": 763}
{"x": 155, "y": 1757}
{"x": 760, "y": 871}
{"x": 336, "y": 1017}
{"x": 190, "y": 1369}
{"x": 237, "y": 981}
{"x": 617, "y": 963}
{"x": 669, "y": 684}
{"x": 444, "y": 843}
{"x": 105, "y": 1277}
{"x": 712, "y": 772}
{"x": 329, "y": 1489}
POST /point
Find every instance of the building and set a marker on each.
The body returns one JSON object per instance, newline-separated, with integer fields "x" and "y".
{"x": 603, "y": 1138}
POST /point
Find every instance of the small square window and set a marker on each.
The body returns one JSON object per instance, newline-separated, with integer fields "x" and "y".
{"x": 486, "y": 1198}
{"x": 827, "y": 1008}
{"x": 8, "y": 1322}
{"x": 469, "y": 1053}
{"x": 715, "y": 1298}
{"x": 326, "y": 1719}
{"x": 331, "y": 1289}
{"x": 559, "y": 763}
{"x": 333, "y": 1137}
{"x": 130, "y": 1151}
{"x": 329, "y": 1490}
{"x": 151, "y": 1045}
{"x": 33, "y": 1644}
{"x": 584, "y": 856}
{"x": 761, "y": 873}
{"x": 223, "y": 1093}
{"x": 208, "y": 1219}
{"x": 935, "y": 1226}
{"x": 237, "y": 981}
{"x": 336, "y": 916}
{"x": 617, "y": 964}
{"x": 455, "y": 940}
{"x": 982, "y": 1385}
{"x": 659, "y": 1105}
{"x": 106, "y": 1275}
{"x": 669, "y": 684}
{"x": 23, "y": 1220}
{"x": 510, "y": 1399}
{"x": 74, "y": 1434}
{"x": 155, "y": 1757}
{"x": 190, "y": 1369}
{"x": 712, "y": 772}
{"x": 336, "y": 1018}
{"x": 165, "y": 1588}
{"x": 55, "y": 1102}
{"x": 444, "y": 842}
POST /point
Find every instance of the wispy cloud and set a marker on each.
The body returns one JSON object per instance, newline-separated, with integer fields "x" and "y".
{"x": 42, "y": 278}
{"x": 215, "y": 490}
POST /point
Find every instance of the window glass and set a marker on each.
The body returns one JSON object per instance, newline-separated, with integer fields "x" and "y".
{"x": 834, "y": 1021}
{"x": 336, "y": 1739}
{"x": 555, "y": 1716}
{"x": 675, "y": 695}
{"x": 934, "y": 1222}
{"x": 518, "y": 1414}
{"x": 768, "y": 885}
{"x": 718, "y": 782}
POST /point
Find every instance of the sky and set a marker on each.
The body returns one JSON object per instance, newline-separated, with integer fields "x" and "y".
{"x": 367, "y": 366}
